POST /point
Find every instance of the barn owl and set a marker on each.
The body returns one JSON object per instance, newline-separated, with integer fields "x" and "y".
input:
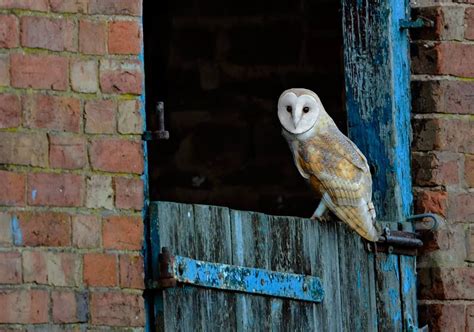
{"x": 332, "y": 164}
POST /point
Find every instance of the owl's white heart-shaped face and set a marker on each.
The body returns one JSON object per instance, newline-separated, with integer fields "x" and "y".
{"x": 298, "y": 110}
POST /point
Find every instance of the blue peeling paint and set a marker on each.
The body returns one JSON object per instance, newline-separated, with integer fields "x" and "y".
{"x": 249, "y": 280}
{"x": 409, "y": 279}
{"x": 33, "y": 194}
{"x": 16, "y": 231}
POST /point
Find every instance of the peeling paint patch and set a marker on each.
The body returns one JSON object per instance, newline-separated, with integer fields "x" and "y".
{"x": 16, "y": 231}
{"x": 33, "y": 194}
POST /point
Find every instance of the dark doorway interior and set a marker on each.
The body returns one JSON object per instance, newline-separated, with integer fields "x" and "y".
{"x": 220, "y": 67}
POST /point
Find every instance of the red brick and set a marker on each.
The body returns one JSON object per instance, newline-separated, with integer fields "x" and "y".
{"x": 51, "y": 112}
{"x": 10, "y": 268}
{"x": 120, "y": 77}
{"x": 120, "y": 232}
{"x": 67, "y": 152}
{"x": 13, "y": 188}
{"x": 449, "y": 284}
{"x": 132, "y": 271}
{"x": 47, "y": 229}
{"x": 34, "y": 267}
{"x": 55, "y": 189}
{"x": 129, "y": 117}
{"x": 63, "y": 269}
{"x": 116, "y": 155}
{"x": 10, "y": 111}
{"x": 8, "y": 31}
{"x": 428, "y": 201}
{"x": 4, "y": 69}
{"x": 69, "y": 6}
{"x": 461, "y": 207}
{"x": 117, "y": 309}
{"x": 100, "y": 116}
{"x": 6, "y": 239}
{"x": 38, "y": 5}
{"x": 39, "y": 71}
{"x": 24, "y": 306}
{"x": 443, "y": 96}
{"x": 115, "y": 7}
{"x": 49, "y": 33}
{"x": 100, "y": 270}
{"x": 124, "y": 37}
{"x": 92, "y": 37}
{"x": 128, "y": 193}
{"x": 443, "y": 134}
{"x": 470, "y": 318}
{"x": 84, "y": 76}
{"x": 469, "y": 170}
{"x": 436, "y": 168}
{"x": 86, "y": 231}
{"x": 438, "y": 59}
{"x": 469, "y": 22}
{"x": 470, "y": 243}
{"x": 69, "y": 307}
{"x": 29, "y": 149}
{"x": 442, "y": 317}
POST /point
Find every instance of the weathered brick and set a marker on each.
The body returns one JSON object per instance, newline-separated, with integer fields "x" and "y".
{"x": 6, "y": 238}
{"x": 49, "y": 33}
{"x": 10, "y": 111}
{"x": 470, "y": 243}
{"x": 68, "y": 152}
{"x": 128, "y": 193}
{"x": 52, "y": 112}
{"x": 10, "y": 268}
{"x": 116, "y": 155}
{"x": 431, "y": 201}
{"x": 461, "y": 207}
{"x": 442, "y": 317}
{"x": 13, "y": 188}
{"x": 469, "y": 170}
{"x": 438, "y": 59}
{"x": 435, "y": 168}
{"x": 84, "y": 76}
{"x": 100, "y": 116}
{"x": 469, "y": 23}
{"x": 117, "y": 309}
{"x": 443, "y": 134}
{"x": 100, "y": 193}
{"x": 124, "y": 37}
{"x": 34, "y": 267}
{"x": 24, "y": 306}
{"x": 120, "y": 77}
{"x": 100, "y": 270}
{"x": 132, "y": 271}
{"x": 69, "y": 6}
{"x": 443, "y": 96}
{"x": 29, "y": 149}
{"x": 92, "y": 37}
{"x": 86, "y": 231}
{"x": 129, "y": 117}
{"x": 115, "y": 7}
{"x": 63, "y": 269}
{"x": 47, "y": 229}
{"x": 38, "y": 5}
{"x": 470, "y": 318}
{"x": 55, "y": 189}
{"x": 39, "y": 71}
{"x": 121, "y": 232}
{"x": 4, "y": 70}
{"x": 69, "y": 306}
{"x": 8, "y": 31}
{"x": 449, "y": 283}
{"x": 448, "y": 23}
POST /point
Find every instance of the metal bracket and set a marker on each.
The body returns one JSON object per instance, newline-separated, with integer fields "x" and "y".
{"x": 411, "y": 327}
{"x": 175, "y": 270}
{"x": 420, "y": 22}
{"x": 161, "y": 133}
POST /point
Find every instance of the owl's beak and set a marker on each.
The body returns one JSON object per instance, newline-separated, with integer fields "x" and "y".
{"x": 296, "y": 120}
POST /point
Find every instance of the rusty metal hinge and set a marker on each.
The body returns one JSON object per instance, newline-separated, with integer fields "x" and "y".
{"x": 161, "y": 133}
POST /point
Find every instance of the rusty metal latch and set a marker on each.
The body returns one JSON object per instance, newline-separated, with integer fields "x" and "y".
{"x": 161, "y": 133}
{"x": 396, "y": 242}
{"x": 178, "y": 270}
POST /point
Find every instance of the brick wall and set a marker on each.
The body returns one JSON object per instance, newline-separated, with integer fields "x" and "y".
{"x": 70, "y": 164}
{"x": 443, "y": 160}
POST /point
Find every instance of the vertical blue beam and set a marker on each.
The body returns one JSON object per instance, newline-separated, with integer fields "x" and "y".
{"x": 377, "y": 77}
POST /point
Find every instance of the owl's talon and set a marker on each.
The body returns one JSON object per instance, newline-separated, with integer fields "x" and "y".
{"x": 321, "y": 219}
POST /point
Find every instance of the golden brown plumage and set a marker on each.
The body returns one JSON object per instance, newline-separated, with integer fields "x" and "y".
{"x": 334, "y": 167}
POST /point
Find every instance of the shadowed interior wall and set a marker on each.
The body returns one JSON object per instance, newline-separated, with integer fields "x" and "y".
{"x": 220, "y": 68}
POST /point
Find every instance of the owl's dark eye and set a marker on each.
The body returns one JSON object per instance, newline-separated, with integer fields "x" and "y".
{"x": 306, "y": 109}
{"x": 289, "y": 109}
